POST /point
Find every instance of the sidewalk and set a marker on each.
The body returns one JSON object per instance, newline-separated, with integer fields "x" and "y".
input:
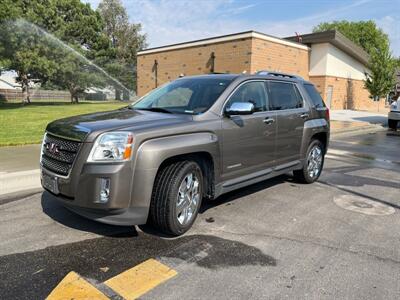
{"x": 359, "y": 116}
{"x": 19, "y": 170}
{"x": 350, "y": 121}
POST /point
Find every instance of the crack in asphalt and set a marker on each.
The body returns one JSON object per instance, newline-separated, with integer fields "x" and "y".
{"x": 303, "y": 241}
{"x": 326, "y": 183}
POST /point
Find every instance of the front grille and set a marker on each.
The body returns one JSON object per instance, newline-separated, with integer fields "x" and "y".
{"x": 58, "y": 154}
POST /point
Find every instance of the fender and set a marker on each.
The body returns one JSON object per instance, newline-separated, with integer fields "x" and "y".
{"x": 152, "y": 153}
{"x": 312, "y": 127}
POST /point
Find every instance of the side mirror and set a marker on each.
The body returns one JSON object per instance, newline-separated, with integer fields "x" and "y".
{"x": 240, "y": 108}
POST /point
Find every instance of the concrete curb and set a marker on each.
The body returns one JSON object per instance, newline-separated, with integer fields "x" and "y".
{"x": 7, "y": 198}
{"x": 358, "y": 130}
{"x": 17, "y": 182}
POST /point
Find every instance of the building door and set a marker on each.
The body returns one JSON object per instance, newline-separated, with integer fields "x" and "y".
{"x": 329, "y": 93}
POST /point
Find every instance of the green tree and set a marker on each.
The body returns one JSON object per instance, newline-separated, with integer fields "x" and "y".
{"x": 363, "y": 33}
{"x": 381, "y": 76}
{"x": 76, "y": 34}
{"x": 381, "y": 79}
{"x": 398, "y": 63}
{"x": 126, "y": 39}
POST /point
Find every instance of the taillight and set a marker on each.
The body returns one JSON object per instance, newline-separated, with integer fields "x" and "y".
{"x": 327, "y": 114}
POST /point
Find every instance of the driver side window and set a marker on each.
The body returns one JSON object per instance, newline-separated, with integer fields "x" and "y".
{"x": 253, "y": 92}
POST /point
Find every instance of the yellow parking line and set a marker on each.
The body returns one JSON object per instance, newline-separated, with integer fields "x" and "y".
{"x": 74, "y": 286}
{"x": 140, "y": 279}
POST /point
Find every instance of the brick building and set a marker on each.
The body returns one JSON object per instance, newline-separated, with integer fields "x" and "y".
{"x": 331, "y": 61}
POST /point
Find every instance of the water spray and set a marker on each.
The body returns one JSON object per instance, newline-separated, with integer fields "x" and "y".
{"x": 23, "y": 24}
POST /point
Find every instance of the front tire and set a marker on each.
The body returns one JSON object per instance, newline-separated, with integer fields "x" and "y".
{"x": 176, "y": 198}
{"x": 313, "y": 164}
{"x": 392, "y": 124}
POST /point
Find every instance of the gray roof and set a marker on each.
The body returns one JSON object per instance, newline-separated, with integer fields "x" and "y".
{"x": 215, "y": 39}
{"x": 337, "y": 39}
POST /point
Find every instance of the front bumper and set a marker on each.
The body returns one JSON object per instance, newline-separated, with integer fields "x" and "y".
{"x": 83, "y": 189}
{"x": 121, "y": 217}
{"x": 80, "y": 193}
{"x": 394, "y": 115}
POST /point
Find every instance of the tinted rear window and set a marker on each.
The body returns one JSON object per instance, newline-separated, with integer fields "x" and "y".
{"x": 314, "y": 95}
{"x": 284, "y": 95}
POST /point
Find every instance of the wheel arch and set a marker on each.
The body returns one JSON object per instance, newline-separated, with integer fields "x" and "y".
{"x": 315, "y": 129}
{"x": 322, "y": 137}
{"x": 154, "y": 154}
{"x": 206, "y": 163}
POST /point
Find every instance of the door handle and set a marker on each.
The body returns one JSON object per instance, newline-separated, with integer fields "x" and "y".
{"x": 268, "y": 121}
{"x": 304, "y": 115}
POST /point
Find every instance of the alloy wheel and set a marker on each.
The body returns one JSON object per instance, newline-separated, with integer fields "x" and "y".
{"x": 188, "y": 199}
{"x": 314, "y": 161}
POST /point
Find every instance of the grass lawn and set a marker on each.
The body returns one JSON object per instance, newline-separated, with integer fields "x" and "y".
{"x": 21, "y": 125}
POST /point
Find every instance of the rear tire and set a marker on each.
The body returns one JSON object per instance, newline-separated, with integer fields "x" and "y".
{"x": 176, "y": 198}
{"x": 392, "y": 124}
{"x": 313, "y": 164}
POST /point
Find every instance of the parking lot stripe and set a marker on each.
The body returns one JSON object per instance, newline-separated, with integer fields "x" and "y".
{"x": 74, "y": 286}
{"x": 140, "y": 279}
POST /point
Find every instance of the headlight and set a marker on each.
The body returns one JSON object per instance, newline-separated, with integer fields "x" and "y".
{"x": 112, "y": 146}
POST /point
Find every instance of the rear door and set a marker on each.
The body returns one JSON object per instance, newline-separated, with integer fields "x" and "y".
{"x": 248, "y": 140}
{"x": 291, "y": 113}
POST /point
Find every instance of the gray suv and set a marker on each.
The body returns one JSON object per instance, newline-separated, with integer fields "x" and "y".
{"x": 192, "y": 139}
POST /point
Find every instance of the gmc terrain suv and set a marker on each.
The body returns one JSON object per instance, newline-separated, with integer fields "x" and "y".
{"x": 192, "y": 139}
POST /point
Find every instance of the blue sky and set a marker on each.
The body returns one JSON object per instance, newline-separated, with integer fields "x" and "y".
{"x": 172, "y": 21}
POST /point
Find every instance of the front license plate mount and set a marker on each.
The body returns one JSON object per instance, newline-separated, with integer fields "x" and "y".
{"x": 50, "y": 183}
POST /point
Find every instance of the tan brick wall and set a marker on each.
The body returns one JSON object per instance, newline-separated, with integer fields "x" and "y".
{"x": 250, "y": 55}
{"x": 319, "y": 82}
{"x": 230, "y": 57}
{"x": 272, "y": 56}
{"x": 347, "y": 94}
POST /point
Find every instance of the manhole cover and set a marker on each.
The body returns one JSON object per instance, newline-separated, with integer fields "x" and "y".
{"x": 363, "y": 205}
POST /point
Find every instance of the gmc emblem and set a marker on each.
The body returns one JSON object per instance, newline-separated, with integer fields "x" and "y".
{"x": 52, "y": 148}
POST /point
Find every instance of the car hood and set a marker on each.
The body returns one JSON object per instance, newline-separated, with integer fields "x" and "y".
{"x": 81, "y": 127}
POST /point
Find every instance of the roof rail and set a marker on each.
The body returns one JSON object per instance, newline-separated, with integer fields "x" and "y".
{"x": 278, "y": 74}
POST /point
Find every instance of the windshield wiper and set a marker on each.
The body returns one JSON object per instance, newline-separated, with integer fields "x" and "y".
{"x": 155, "y": 109}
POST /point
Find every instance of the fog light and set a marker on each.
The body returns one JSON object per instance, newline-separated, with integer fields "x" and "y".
{"x": 104, "y": 195}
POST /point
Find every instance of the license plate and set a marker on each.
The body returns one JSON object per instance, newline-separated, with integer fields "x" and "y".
{"x": 50, "y": 183}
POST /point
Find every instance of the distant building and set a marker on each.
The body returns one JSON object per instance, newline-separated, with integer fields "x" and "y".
{"x": 94, "y": 93}
{"x": 8, "y": 81}
{"x": 328, "y": 59}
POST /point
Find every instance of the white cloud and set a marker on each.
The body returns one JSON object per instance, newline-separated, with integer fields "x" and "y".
{"x": 168, "y": 22}
{"x": 391, "y": 25}
{"x": 93, "y": 3}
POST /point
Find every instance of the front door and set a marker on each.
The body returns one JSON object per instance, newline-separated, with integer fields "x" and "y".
{"x": 248, "y": 140}
{"x": 291, "y": 113}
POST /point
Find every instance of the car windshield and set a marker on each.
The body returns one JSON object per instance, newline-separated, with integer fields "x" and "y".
{"x": 185, "y": 95}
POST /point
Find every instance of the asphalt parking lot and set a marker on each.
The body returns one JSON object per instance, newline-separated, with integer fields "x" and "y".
{"x": 337, "y": 238}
